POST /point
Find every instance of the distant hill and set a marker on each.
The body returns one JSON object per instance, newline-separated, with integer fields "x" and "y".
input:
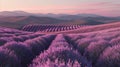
{"x": 22, "y": 13}
{"x": 97, "y": 18}
{"x": 14, "y": 13}
{"x": 17, "y": 19}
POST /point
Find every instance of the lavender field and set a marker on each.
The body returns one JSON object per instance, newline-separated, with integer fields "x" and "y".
{"x": 61, "y": 46}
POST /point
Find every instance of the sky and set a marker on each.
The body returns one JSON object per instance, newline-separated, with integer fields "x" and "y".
{"x": 100, "y": 7}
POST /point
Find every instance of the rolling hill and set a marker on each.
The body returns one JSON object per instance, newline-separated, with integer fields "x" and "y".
{"x": 18, "y": 19}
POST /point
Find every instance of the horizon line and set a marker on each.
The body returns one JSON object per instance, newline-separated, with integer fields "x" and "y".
{"x": 53, "y": 13}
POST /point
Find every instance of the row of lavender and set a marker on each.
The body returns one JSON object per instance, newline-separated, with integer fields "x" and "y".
{"x": 50, "y": 28}
{"x": 20, "y": 49}
{"x": 94, "y": 28}
{"x": 60, "y": 54}
{"x": 82, "y": 50}
{"x": 101, "y": 49}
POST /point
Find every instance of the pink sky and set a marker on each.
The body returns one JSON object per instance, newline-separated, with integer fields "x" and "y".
{"x": 102, "y": 7}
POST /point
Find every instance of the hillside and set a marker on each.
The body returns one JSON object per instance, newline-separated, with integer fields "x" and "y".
{"x": 95, "y": 28}
{"x": 20, "y": 21}
{"x": 55, "y": 29}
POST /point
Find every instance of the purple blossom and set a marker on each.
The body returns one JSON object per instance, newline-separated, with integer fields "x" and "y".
{"x": 8, "y": 59}
{"x": 110, "y": 57}
{"x": 22, "y": 52}
{"x": 93, "y": 51}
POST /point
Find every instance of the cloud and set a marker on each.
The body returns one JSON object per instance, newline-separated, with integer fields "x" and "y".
{"x": 104, "y": 4}
{"x": 101, "y": 3}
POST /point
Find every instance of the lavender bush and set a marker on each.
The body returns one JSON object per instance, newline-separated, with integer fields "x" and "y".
{"x": 8, "y": 59}
{"x": 115, "y": 41}
{"x": 22, "y": 52}
{"x": 82, "y": 44}
{"x": 4, "y": 40}
{"x": 35, "y": 46}
{"x": 62, "y": 54}
{"x": 110, "y": 57}
{"x": 57, "y": 64}
{"x": 93, "y": 51}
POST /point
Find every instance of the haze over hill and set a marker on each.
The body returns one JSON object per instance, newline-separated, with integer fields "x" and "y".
{"x": 17, "y": 19}
{"x": 23, "y": 13}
